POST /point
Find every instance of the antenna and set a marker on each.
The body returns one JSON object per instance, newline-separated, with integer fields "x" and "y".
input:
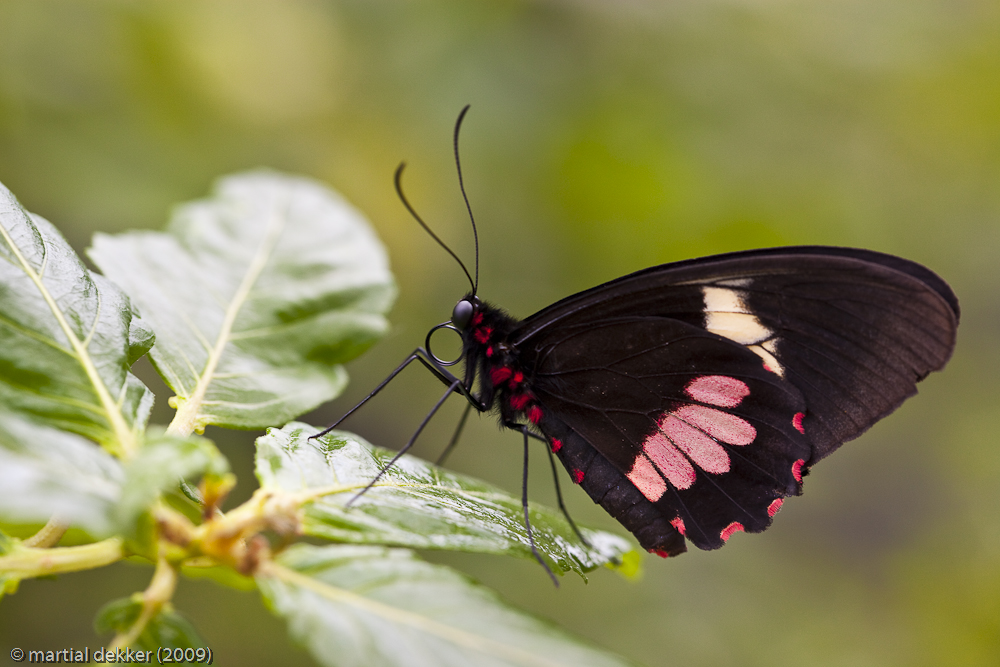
{"x": 461, "y": 185}
{"x": 399, "y": 190}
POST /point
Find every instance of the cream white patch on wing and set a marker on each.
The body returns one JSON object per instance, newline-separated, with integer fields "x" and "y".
{"x": 726, "y": 314}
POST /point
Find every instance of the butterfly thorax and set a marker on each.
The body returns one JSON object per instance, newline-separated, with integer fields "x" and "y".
{"x": 493, "y": 360}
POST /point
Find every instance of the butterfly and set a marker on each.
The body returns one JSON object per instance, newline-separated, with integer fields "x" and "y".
{"x": 690, "y": 399}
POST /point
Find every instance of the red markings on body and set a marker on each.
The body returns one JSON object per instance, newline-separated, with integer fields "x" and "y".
{"x": 662, "y": 553}
{"x": 775, "y": 505}
{"x": 797, "y": 422}
{"x": 517, "y": 379}
{"x": 726, "y": 392}
{"x": 483, "y": 334}
{"x": 674, "y": 466}
{"x": 646, "y": 479}
{"x": 520, "y": 401}
{"x": 489, "y": 351}
{"x": 534, "y": 414}
{"x": 678, "y": 524}
{"x": 728, "y": 531}
{"x": 556, "y": 445}
{"x": 477, "y": 319}
{"x": 500, "y": 374}
{"x": 577, "y": 476}
{"x": 797, "y": 470}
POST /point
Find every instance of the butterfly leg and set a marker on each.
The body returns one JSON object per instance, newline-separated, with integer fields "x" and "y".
{"x": 524, "y": 504}
{"x": 409, "y": 444}
{"x": 420, "y": 355}
{"x": 454, "y": 438}
{"x": 559, "y": 497}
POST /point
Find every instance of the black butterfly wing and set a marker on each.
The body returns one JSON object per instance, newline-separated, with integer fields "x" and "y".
{"x": 819, "y": 343}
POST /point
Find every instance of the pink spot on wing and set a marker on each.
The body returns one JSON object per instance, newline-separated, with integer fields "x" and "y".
{"x": 646, "y": 479}
{"x": 500, "y": 374}
{"x": 705, "y": 452}
{"x": 662, "y": 553}
{"x": 577, "y": 476}
{"x": 720, "y": 425}
{"x": 726, "y": 392}
{"x": 728, "y": 531}
{"x": 775, "y": 505}
{"x": 556, "y": 445}
{"x": 669, "y": 460}
{"x": 678, "y": 524}
{"x": 797, "y": 422}
{"x": 797, "y": 470}
{"x": 769, "y": 369}
{"x": 534, "y": 414}
{"x": 520, "y": 401}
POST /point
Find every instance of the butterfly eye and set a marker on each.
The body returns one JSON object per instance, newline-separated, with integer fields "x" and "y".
{"x": 462, "y": 314}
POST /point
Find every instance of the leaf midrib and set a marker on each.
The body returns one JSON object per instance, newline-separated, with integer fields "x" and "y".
{"x": 451, "y": 634}
{"x": 189, "y": 417}
{"x": 121, "y": 430}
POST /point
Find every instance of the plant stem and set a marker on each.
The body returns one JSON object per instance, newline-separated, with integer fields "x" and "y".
{"x": 25, "y": 562}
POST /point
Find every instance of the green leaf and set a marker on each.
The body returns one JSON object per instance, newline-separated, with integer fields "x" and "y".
{"x": 167, "y": 629}
{"x": 415, "y": 504}
{"x": 67, "y": 336}
{"x": 257, "y": 296}
{"x": 46, "y": 472}
{"x": 162, "y": 462}
{"x": 359, "y": 606}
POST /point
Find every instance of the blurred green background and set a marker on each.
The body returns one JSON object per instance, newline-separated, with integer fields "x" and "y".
{"x": 604, "y": 137}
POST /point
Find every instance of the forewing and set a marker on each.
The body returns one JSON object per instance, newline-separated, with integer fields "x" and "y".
{"x": 853, "y": 330}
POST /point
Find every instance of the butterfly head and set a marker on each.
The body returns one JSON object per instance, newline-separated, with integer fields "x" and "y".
{"x": 464, "y": 312}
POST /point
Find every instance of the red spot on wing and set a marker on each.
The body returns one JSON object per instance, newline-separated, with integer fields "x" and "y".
{"x": 775, "y": 505}
{"x": 797, "y": 470}
{"x": 646, "y": 479}
{"x": 674, "y": 465}
{"x": 534, "y": 414}
{"x": 577, "y": 476}
{"x": 718, "y": 424}
{"x": 728, "y": 531}
{"x": 500, "y": 374}
{"x": 769, "y": 369}
{"x": 556, "y": 445}
{"x": 705, "y": 452}
{"x": 678, "y": 523}
{"x": 520, "y": 401}
{"x": 662, "y": 553}
{"x": 726, "y": 392}
{"x": 797, "y": 422}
